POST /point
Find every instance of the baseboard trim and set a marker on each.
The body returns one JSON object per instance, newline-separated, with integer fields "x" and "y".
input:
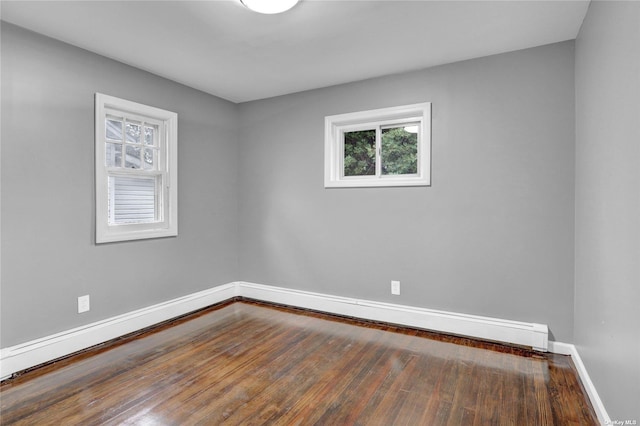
{"x": 39, "y": 351}
{"x": 505, "y": 331}
{"x": 592, "y": 393}
{"x": 30, "y": 354}
{"x": 27, "y": 355}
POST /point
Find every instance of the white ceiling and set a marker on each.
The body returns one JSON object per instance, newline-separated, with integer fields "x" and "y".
{"x": 222, "y": 48}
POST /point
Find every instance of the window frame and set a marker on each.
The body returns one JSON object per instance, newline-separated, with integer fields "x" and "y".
{"x": 378, "y": 119}
{"x": 165, "y": 174}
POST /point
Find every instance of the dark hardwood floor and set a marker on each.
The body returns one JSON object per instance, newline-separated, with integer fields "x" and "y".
{"x": 250, "y": 364}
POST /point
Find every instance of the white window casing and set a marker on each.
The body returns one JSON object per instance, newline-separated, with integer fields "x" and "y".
{"x": 136, "y": 174}
{"x": 415, "y": 116}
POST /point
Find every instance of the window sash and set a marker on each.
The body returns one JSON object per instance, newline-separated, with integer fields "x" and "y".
{"x": 132, "y": 202}
{"x": 379, "y": 127}
{"x": 156, "y": 148}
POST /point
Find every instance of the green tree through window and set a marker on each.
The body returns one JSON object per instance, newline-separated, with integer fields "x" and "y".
{"x": 399, "y": 151}
{"x": 399, "y": 154}
{"x": 360, "y": 153}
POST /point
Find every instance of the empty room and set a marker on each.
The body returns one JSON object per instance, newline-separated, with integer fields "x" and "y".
{"x": 368, "y": 212}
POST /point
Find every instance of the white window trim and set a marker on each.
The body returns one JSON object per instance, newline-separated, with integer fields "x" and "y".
{"x": 336, "y": 125}
{"x": 167, "y": 226}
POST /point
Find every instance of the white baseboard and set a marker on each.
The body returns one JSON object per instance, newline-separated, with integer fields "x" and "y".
{"x": 598, "y": 406}
{"x": 39, "y": 351}
{"x": 513, "y": 332}
{"x": 560, "y": 348}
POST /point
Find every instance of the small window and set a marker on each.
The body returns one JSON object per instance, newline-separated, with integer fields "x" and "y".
{"x": 383, "y": 147}
{"x": 136, "y": 171}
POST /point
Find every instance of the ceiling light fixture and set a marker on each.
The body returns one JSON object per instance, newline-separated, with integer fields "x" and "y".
{"x": 269, "y": 6}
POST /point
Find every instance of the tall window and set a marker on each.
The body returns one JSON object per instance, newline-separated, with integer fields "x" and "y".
{"x": 384, "y": 147}
{"x": 136, "y": 171}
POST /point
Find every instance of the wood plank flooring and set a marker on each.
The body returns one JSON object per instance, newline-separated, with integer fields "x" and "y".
{"x": 250, "y": 364}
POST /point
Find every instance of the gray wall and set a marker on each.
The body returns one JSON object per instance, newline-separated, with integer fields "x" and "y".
{"x": 493, "y": 235}
{"x": 49, "y": 257}
{"x": 607, "y": 324}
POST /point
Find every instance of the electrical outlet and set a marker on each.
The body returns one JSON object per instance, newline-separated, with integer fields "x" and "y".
{"x": 395, "y": 287}
{"x": 83, "y": 304}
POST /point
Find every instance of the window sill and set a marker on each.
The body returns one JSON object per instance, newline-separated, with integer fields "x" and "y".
{"x": 113, "y": 236}
{"x": 377, "y": 182}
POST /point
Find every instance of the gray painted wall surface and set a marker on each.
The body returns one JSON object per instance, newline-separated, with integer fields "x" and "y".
{"x": 49, "y": 257}
{"x": 493, "y": 235}
{"x": 607, "y": 324}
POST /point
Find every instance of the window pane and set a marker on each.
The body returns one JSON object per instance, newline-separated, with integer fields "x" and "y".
{"x": 132, "y": 200}
{"x": 149, "y": 158}
{"x": 114, "y": 155}
{"x": 360, "y": 153}
{"x": 132, "y": 159}
{"x": 148, "y": 135}
{"x": 400, "y": 150}
{"x": 114, "y": 130}
{"x": 133, "y": 133}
